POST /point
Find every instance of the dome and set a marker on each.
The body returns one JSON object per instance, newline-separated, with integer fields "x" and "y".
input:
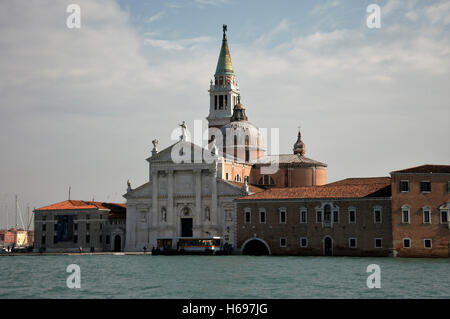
{"x": 246, "y": 135}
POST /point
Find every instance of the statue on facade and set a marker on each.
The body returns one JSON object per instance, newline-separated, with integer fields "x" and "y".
{"x": 183, "y": 131}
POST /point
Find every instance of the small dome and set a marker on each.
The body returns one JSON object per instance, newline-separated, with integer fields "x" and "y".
{"x": 299, "y": 146}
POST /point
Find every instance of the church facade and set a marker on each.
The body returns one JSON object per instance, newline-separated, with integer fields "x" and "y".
{"x": 191, "y": 192}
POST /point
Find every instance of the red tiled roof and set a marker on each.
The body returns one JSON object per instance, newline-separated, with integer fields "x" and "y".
{"x": 426, "y": 169}
{"x": 362, "y": 180}
{"x": 78, "y": 204}
{"x": 349, "y": 188}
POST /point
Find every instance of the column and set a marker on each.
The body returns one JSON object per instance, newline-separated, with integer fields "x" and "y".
{"x": 154, "y": 218}
{"x": 198, "y": 198}
{"x": 170, "y": 214}
{"x": 214, "y": 211}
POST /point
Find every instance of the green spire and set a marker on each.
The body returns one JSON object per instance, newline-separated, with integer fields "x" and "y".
{"x": 224, "y": 65}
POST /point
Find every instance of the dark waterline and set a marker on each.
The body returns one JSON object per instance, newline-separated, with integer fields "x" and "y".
{"x": 142, "y": 276}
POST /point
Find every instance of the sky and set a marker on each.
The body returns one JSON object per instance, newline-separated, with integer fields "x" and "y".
{"x": 80, "y": 107}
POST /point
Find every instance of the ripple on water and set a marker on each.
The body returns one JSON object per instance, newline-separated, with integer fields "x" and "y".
{"x": 222, "y": 277}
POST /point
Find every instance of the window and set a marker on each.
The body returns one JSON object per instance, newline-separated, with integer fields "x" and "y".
{"x": 426, "y": 215}
{"x": 43, "y": 240}
{"x": 405, "y": 214}
{"x": 100, "y": 239}
{"x": 101, "y": 216}
{"x": 352, "y": 242}
{"x": 226, "y": 101}
{"x": 215, "y": 102}
{"x": 377, "y": 215}
{"x": 75, "y": 239}
{"x": 378, "y": 243}
{"x": 88, "y": 239}
{"x": 327, "y": 214}
{"x": 164, "y": 214}
{"x": 108, "y": 239}
{"x": 262, "y": 216}
{"x": 220, "y": 102}
{"x": 237, "y": 178}
{"x": 226, "y": 176}
{"x": 425, "y": 186}
{"x": 207, "y": 214}
{"x": 444, "y": 217}
{"x": 352, "y": 216}
{"x": 335, "y": 217}
{"x": 44, "y": 227}
{"x": 55, "y": 227}
{"x": 319, "y": 216}
{"x": 88, "y": 217}
{"x": 247, "y": 216}
{"x": 228, "y": 215}
{"x": 44, "y": 217}
{"x": 303, "y": 216}
{"x": 427, "y": 243}
{"x": 303, "y": 242}
{"x": 88, "y": 226}
{"x": 283, "y": 242}
{"x": 75, "y": 226}
{"x": 266, "y": 180}
{"x": 406, "y": 243}
{"x": 404, "y": 186}
{"x": 55, "y": 239}
{"x": 282, "y": 215}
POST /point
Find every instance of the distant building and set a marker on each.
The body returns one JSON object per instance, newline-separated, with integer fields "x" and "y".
{"x": 73, "y": 224}
{"x": 420, "y": 211}
{"x": 351, "y": 217}
{"x": 15, "y": 238}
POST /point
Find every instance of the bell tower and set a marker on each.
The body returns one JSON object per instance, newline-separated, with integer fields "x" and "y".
{"x": 224, "y": 90}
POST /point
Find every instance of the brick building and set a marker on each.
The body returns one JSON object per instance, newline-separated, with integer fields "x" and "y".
{"x": 351, "y": 217}
{"x": 420, "y": 211}
{"x": 71, "y": 224}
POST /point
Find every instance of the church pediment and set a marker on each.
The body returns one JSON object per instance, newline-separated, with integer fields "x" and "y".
{"x": 142, "y": 191}
{"x": 183, "y": 152}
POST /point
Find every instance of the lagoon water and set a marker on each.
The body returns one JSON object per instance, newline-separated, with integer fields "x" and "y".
{"x": 146, "y": 276}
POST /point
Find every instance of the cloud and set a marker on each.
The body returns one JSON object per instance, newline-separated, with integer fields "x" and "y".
{"x": 155, "y": 17}
{"x": 323, "y": 7}
{"x": 181, "y": 44}
{"x": 439, "y": 13}
{"x": 266, "y": 38}
{"x": 215, "y": 3}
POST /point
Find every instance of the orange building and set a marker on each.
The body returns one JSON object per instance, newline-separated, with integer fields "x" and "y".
{"x": 420, "y": 211}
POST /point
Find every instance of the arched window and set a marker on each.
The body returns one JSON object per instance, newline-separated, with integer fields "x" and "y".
{"x": 163, "y": 214}
{"x": 237, "y": 178}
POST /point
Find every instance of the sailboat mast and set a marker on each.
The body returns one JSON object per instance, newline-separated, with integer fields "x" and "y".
{"x": 16, "y": 213}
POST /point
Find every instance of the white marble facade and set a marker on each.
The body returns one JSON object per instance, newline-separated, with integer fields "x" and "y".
{"x": 176, "y": 191}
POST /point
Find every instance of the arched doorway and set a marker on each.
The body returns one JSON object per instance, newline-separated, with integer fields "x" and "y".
{"x": 255, "y": 247}
{"x": 328, "y": 246}
{"x": 117, "y": 243}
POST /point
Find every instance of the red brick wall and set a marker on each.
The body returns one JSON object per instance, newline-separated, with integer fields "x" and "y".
{"x": 364, "y": 230}
{"x": 416, "y": 230}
